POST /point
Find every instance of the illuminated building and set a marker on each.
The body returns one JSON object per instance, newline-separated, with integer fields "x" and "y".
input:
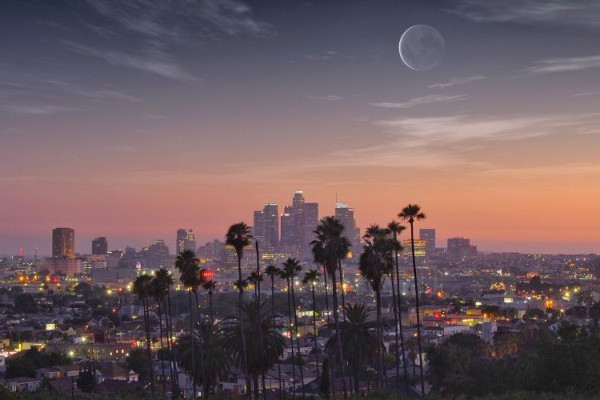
{"x": 460, "y": 247}
{"x": 298, "y": 223}
{"x": 266, "y": 227}
{"x": 186, "y": 240}
{"x": 345, "y": 214}
{"x": 419, "y": 249}
{"x": 63, "y": 243}
{"x": 429, "y": 236}
{"x": 99, "y": 246}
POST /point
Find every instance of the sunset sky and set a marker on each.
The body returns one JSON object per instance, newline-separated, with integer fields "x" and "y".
{"x": 130, "y": 119}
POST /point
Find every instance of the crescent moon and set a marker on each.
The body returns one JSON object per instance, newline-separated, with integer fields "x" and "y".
{"x": 421, "y": 47}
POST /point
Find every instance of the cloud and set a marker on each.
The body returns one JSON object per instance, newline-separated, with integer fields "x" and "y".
{"x": 564, "y": 13}
{"x": 565, "y": 64}
{"x": 162, "y": 22}
{"x": 445, "y": 141}
{"x": 329, "y": 97}
{"x": 418, "y": 132}
{"x": 158, "y": 63}
{"x": 577, "y": 169}
{"x": 456, "y": 81}
{"x": 36, "y": 110}
{"x": 419, "y": 101}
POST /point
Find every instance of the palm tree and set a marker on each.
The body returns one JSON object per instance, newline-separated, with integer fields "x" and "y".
{"x": 396, "y": 229}
{"x": 272, "y": 271}
{"x": 375, "y": 263}
{"x": 411, "y": 213}
{"x": 217, "y": 359}
{"x": 238, "y": 235}
{"x": 264, "y": 345}
{"x": 189, "y": 270}
{"x": 329, "y": 248}
{"x": 255, "y": 279}
{"x": 210, "y": 287}
{"x": 160, "y": 289}
{"x": 142, "y": 288}
{"x": 290, "y": 269}
{"x": 311, "y": 277}
{"x": 360, "y": 343}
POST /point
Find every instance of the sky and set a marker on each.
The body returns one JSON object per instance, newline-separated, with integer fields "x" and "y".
{"x": 130, "y": 119}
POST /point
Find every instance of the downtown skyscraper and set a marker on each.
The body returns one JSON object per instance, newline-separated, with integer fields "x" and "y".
{"x": 63, "y": 243}
{"x": 186, "y": 240}
{"x": 345, "y": 214}
{"x": 266, "y": 227}
{"x": 298, "y": 223}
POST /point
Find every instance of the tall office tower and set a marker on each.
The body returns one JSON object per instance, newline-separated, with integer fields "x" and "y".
{"x": 298, "y": 222}
{"x": 266, "y": 227}
{"x": 180, "y": 241}
{"x": 345, "y": 214}
{"x": 63, "y": 243}
{"x": 428, "y": 235}
{"x": 460, "y": 247}
{"x": 310, "y": 220}
{"x": 157, "y": 256}
{"x": 186, "y": 240}
{"x": 99, "y": 246}
{"x": 190, "y": 241}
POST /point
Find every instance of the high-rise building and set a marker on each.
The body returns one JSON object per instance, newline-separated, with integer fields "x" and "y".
{"x": 460, "y": 247}
{"x": 157, "y": 256}
{"x": 63, "y": 243}
{"x": 99, "y": 246}
{"x": 428, "y": 235}
{"x": 345, "y": 214}
{"x": 186, "y": 240}
{"x": 298, "y": 223}
{"x": 266, "y": 227}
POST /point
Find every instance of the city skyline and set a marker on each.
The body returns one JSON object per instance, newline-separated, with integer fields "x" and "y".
{"x": 131, "y": 120}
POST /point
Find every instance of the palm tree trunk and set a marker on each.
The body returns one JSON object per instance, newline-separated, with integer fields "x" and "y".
{"x": 258, "y": 309}
{"x": 148, "y": 348}
{"x": 273, "y": 316}
{"x": 380, "y": 372}
{"x": 314, "y": 305}
{"x": 201, "y": 342}
{"x": 264, "y": 386}
{"x": 342, "y": 290}
{"x": 297, "y": 339}
{"x": 396, "y": 342}
{"x": 174, "y": 377}
{"x": 162, "y": 363}
{"x": 399, "y": 292}
{"x": 210, "y": 306}
{"x": 192, "y": 341}
{"x": 338, "y": 335}
{"x": 240, "y": 300}
{"x": 329, "y": 329}
{"x": 414, "y": 260}
{"x": 291, "y": 334}
{"x": 255, "y": 383}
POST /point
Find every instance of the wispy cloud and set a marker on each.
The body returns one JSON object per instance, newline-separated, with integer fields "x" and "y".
{"x": 328, "y": 97}
{"x": 565, "y": 13}
{"x": 419, "y": 101}
{"x": 587, "y": 94}
{"x": 456, "y": 82}
{"x": 565, "y": 64}
{"x": 417, "y": 132}
{"x": 33, "y": 110}
{"x": 161, "y": 22}
{"x": 445, "y": 141}
{"x": 158, "y": 63}
{"x": 577, "y": 169}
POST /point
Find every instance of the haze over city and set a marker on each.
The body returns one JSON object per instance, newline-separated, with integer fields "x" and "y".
{"x": 131, "y": 120}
